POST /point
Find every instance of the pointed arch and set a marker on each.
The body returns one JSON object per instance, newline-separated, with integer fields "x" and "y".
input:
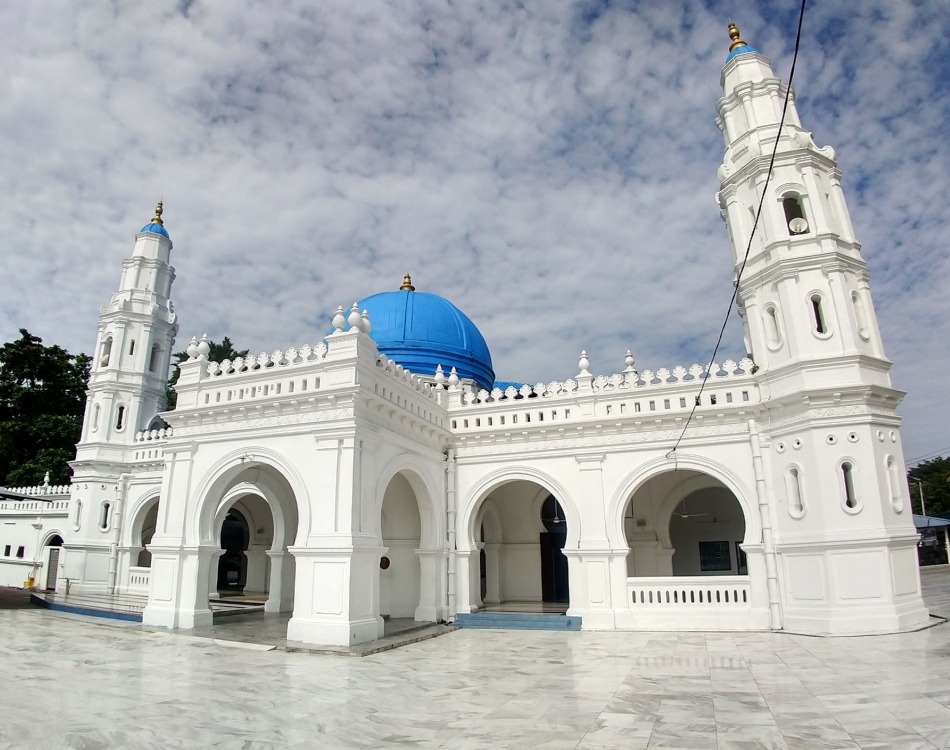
{"x": 468, "y": 509}
{"x": 426, "y": 489}
{"x": 225, "y": 472}
{"x": 714, "y": 470}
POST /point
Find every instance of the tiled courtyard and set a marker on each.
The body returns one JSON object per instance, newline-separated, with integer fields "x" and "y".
{"x": 70, "y": 682}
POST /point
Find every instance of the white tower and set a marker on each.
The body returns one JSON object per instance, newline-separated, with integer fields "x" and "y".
{"x": 126, "y": 392}
{"x": 831, "y": 447}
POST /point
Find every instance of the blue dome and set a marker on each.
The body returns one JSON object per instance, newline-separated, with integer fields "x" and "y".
{"x": 421, "y": 331}
{"x": 741, "y": 51}
{"x": 156, "y": 229}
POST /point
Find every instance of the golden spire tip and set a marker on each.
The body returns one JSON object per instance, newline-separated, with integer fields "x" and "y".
{"x": 737, "y": 40}
{"x": 157, "y": 218}
{"x": 407, "y": 284}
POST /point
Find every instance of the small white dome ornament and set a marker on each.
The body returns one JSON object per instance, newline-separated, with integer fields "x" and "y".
{"x": 454, "y": 379}
{"x": 439, "y": 376}
{"x": 354, "y": 318}
{"x": 584, "y": 363}
{"x": 339, "y": 320}
{"x": 192, "y": 349}
{"x": 203, "y": 348}
{"x": 365, "y": 325}
{"x": 628, "y": 361}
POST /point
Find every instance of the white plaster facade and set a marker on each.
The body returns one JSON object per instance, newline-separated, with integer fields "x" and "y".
{"x": 784, "y": 506}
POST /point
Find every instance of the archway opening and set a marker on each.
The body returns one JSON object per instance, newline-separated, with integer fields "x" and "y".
{"x": 554, "y": 584}
{"x": 706, "y": 532}
{"x": 254, "y": 522}
{"x": 232, "y": 564}
{"x": 520, "y": 565}
{"x": 54, "y": 543}
{"x": 684, "y": 523}
{"x": 400, "y": 571}
{"x": 149, "y": 522}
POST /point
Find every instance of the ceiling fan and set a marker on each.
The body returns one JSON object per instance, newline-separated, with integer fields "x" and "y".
{"x": 686, "y": 513}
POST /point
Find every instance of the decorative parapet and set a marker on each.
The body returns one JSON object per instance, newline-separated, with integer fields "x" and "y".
{"x": 264, "y": 361}
{"x": 55, "y": 498}
{"x": 619, "y": 382}
{"x": 645, "y": 397}
{"x": 41, "y": 490}
{"x": 144, "y": 436}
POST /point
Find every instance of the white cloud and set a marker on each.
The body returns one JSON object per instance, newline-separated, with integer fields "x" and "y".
{"x": 550, "y": 168}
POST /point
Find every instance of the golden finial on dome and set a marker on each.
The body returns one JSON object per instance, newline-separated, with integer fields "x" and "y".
{"x": 157, "y": 218}
{"x": 737, "y": 40}
{"x": 407, "y": 284}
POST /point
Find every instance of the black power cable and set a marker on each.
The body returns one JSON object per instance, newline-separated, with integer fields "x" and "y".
{"x": 755, "y": 224}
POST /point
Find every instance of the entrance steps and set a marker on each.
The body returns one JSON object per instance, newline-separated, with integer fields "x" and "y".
{"x": 517, "y": 621}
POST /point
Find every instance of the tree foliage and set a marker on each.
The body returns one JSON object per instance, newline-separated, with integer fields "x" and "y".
{"x": 42, "y": 398}
{"x": 216, "y": 353}
{"x": 934, "y": 478}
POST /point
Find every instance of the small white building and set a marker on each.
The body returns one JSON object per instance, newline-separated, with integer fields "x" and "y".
{"x": 32, "y": 529}
{"x": 381, "y": 472}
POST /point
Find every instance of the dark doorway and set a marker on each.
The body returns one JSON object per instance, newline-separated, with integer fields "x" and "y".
{"x": 232, "y": 565}
{"x": 554, "y": 579}
{"x": 52, "y": 574}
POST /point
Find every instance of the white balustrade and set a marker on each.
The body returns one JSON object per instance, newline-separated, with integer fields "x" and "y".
{"x": 138, "y": 580}
{"x": 690, "y": 602}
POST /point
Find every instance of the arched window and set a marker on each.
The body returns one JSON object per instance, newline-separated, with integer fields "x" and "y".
{"x": 120, "y": 418}
{"x": 894, "y": 484}
{"x": 106, "y": 352}
{"x": 155, "y": 358}
{"x": 104, "y": 516}
{"x": 132, "y": 347}
{"x": 794, "y": 214}
{"x": 860, "y": 316}
{"x": 95, "y": 417}
{"x": 819, "y": 314}
{"x": 847, "y": 477}
{"x": 793, "y": 487}
{"x": 772, "y": 332}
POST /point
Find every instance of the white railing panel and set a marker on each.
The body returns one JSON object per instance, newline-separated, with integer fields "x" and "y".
{"x": 138, "y": 580}
{"x": 693, "y": 603}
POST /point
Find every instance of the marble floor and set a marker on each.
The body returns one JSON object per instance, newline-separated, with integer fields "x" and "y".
{"x": 67, "y": 682}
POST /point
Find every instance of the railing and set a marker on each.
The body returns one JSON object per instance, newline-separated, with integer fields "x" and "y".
{"x": 692, "y": 602}
{"x": 36, "y": 507}
{"x": 138, "y": 580}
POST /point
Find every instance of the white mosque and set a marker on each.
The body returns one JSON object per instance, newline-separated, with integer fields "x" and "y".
{"x": 382, "y": 472}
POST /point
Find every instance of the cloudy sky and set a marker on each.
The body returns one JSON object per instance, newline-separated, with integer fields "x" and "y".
{"x": 550, "y": 167}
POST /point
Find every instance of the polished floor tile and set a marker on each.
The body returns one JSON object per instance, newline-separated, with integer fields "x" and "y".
{"x": 69, "y": 682}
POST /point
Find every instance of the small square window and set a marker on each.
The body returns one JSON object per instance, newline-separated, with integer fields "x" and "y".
{"x": 19, "y": 552}
{"x": 714, "y": 556}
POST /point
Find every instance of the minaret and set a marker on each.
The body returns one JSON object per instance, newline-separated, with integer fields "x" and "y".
{"x": 829, "y": 431}
{"x": 133, "y": 352}
{"x": 126, "y": 392}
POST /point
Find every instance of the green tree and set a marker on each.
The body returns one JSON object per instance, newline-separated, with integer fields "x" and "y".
{"x": 934, "y": 478}
{"x": 42, "y": 398}
{"x": 216, "y": 353}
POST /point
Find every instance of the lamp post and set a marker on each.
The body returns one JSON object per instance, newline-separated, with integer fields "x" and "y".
{"x": 920, "y": 489}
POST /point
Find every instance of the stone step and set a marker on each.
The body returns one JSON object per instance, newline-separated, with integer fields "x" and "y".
{"x": 517, "y": 621}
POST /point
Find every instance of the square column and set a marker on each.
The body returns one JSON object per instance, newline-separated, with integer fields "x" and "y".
{"x": 178, "y": 586}
{"x": 281, "y": 585}
{"x": 433, "y": 569}
{"x": 336, "y": 594}
{"x": 598, "y": 585}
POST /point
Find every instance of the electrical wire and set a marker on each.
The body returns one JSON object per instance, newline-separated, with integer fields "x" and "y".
{"x": 755, "y": 224}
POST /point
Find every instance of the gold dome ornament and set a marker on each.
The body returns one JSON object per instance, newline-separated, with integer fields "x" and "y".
{"x": 407, "y": 284}
{"x": 737, "y": 40}
{"x": 157, "y": 218}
